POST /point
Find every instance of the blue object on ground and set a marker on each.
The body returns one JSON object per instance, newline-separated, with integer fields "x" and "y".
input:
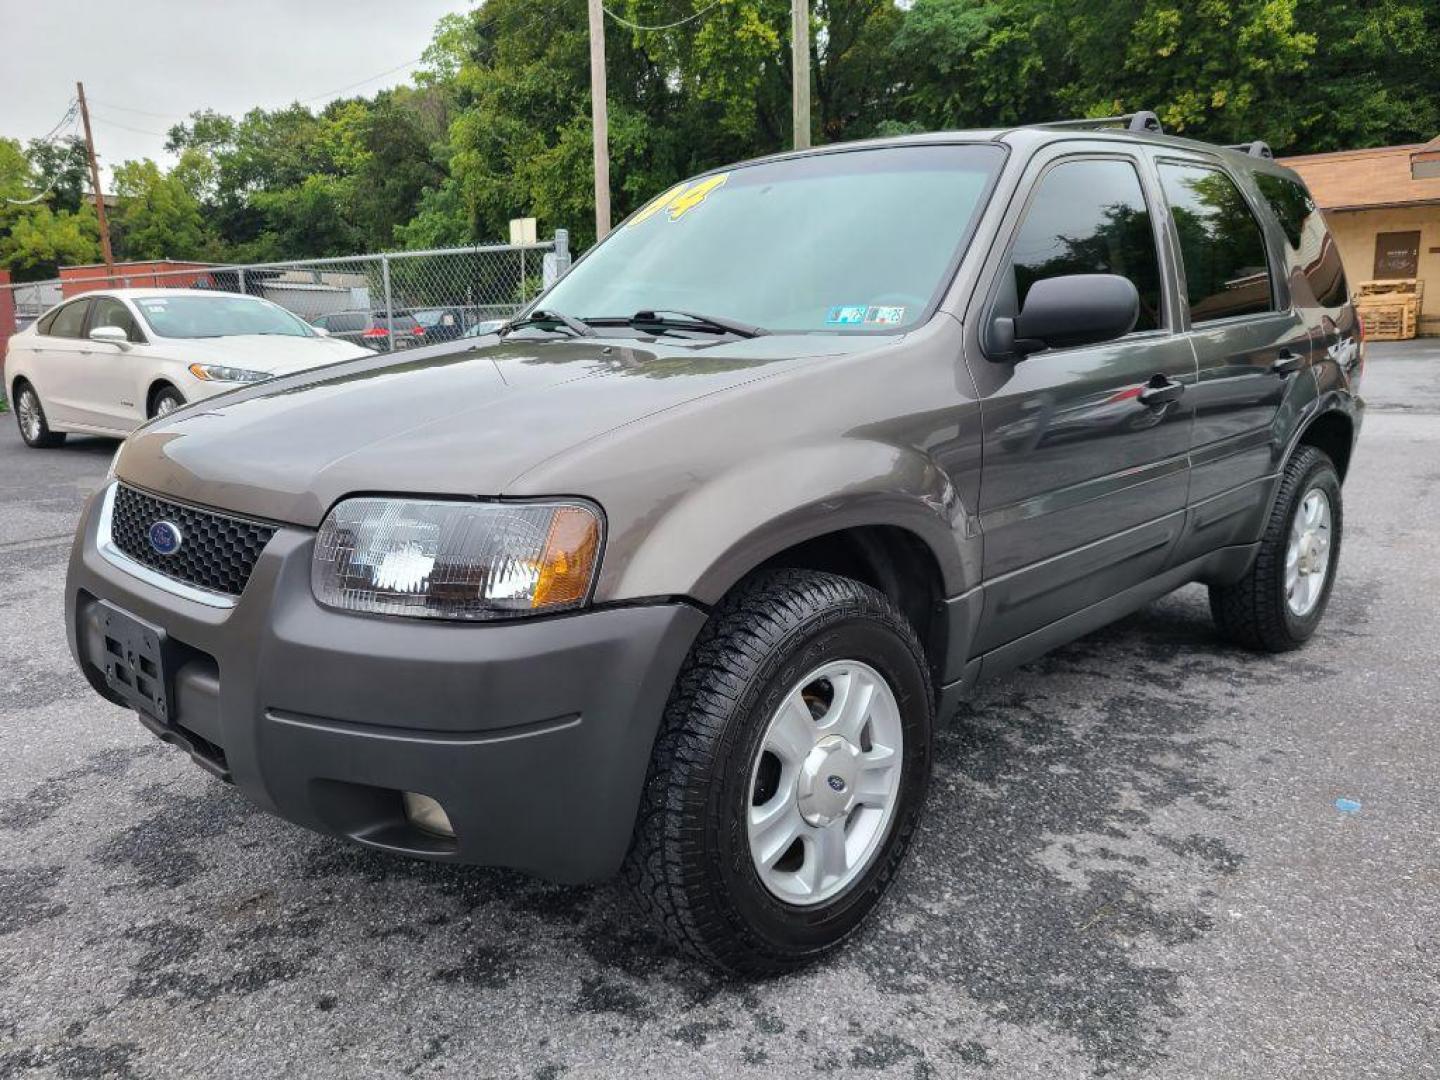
{"x": 1347, "y": 806}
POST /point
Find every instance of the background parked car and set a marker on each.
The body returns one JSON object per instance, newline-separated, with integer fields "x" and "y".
{"x": 440, "y": 324}
{"x": 105, "y": 362}
{"x": 488, "y": 326}
{"x": 371, "y": 329}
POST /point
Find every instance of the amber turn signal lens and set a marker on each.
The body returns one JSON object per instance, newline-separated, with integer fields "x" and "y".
{"x": 568, "y": 561}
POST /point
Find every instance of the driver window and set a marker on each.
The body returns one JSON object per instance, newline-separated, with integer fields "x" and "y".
{"x": 1086, "y": 217}
{"x": 111, "y": 312}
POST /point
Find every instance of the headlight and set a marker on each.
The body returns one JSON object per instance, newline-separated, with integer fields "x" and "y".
{"x": 442, "y": 559}
{"x": 221, "y": 373}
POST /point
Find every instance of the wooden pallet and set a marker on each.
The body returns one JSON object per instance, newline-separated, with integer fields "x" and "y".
{"x": 1391, "y": 288}
{"x": 1390, "y": 322}
{"x": 1391, "y": 309}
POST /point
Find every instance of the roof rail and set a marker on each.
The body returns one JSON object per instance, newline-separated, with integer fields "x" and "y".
{"x": 1144, "y": 120}
{"x": 1259, "y": 148}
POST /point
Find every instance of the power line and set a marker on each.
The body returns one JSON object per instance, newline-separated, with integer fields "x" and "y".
{"x": 109, "y": 121}
{"x": 362, "y": 82}
{"x": 65, "y": 128}
{"x": 70, "y": 112}
{"x": 663, "y": 26}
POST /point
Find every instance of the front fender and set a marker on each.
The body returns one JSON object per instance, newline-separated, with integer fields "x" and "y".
{"x": 716, "y": 533}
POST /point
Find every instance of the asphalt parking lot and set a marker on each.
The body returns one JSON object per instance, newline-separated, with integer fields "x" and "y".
{"x": 1134, "y": 865}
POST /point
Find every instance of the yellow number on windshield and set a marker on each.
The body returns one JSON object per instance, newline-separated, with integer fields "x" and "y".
{"x": 681, "y": 199}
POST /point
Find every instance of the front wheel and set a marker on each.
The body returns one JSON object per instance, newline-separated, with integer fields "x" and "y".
{"x": 789, "y": 774}
{"x": 1278, "y": 605}
{"x": 166, "y": 401}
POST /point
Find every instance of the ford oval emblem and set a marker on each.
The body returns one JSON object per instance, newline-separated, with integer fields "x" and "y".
{"x": 166, "y": 537}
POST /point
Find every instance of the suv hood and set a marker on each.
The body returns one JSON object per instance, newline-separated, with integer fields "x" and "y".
{"x": 453, "y": 419}
{"x": 274, "y": 354}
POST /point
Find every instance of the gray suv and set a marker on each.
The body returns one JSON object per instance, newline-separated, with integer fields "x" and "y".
{"x": 677, "y": 576}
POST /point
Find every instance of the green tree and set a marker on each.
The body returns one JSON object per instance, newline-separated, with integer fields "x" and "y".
{"x": 66, "y": 167}
{"x": 36, "y": 239}
{"x": 156, "y": 216}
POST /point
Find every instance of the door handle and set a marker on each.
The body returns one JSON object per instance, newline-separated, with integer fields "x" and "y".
{"x": 1161, "y": 390}
{"x": 1286, "y": 363}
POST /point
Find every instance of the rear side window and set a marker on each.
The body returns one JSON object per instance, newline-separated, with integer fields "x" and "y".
{"x": 1311, "y": 242}
{"x": 69, "y": 321}
{"x": 1088, "y": 217}
{"x": 111, "y": 312}
{"x": 1222, "y": 246}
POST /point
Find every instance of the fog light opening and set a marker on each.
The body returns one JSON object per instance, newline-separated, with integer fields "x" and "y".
{"x": 425, "y": 813}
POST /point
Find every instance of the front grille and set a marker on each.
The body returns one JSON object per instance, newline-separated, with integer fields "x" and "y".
{"x": 216, "y": 552}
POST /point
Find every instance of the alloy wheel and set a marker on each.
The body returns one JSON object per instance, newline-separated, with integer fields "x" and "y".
{"x": 1307, "y": 556}
{"x": 28, "y": 410}
{"x": 825, "y": 782}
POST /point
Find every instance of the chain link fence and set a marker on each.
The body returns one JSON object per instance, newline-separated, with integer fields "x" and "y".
{"x": 386, "y": 302}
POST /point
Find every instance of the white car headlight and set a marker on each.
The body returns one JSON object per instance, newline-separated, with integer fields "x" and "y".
{"x": 444, "y": 559}
{"x": 222, "y": 373}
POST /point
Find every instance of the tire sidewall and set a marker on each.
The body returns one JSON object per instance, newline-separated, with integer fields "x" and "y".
{"x": 1321, "y": 474}
{"x": 786, "y": 930}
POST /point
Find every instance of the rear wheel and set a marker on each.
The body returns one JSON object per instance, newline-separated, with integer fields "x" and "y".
{"x": 1278, "y": 605}
{"x": 30, "y": 416}
{"x": 789, "y": 775}
{"x": 166, "y": 400}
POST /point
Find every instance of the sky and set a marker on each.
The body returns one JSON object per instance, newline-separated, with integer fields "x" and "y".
{"x": 149, "y": 63}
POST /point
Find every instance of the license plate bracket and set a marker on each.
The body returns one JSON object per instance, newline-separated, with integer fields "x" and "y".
{"x": 135, "y": 662}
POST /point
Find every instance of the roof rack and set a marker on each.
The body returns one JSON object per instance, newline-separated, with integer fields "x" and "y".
{"x": 1144, "y": 120}
{"x": 1259, "y": 148}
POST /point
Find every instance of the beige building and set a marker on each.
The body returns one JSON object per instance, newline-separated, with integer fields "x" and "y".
{"x": 1383, "y": 207}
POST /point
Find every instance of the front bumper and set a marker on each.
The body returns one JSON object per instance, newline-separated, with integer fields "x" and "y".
{"x": 534, "y": 735}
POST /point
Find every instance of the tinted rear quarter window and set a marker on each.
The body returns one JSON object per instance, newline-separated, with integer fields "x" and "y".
{"x": 1089, "y": 217}
{"x": 1304, "y": 228}
{"x": 1227, "y": 273}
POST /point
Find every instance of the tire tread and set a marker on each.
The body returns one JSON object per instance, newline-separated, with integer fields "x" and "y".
{"x": 1251, "y": 611}
{"x": 664, "y": 871}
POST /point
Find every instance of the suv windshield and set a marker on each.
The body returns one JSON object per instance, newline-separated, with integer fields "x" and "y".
{"x": 218, "y": 316}
{"x": 858, "y": 240}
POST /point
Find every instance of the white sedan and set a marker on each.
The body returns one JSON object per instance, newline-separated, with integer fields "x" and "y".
{"x": 105, "y": 362}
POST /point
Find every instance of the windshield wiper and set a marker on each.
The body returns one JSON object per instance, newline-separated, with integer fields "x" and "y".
{"x": 574, "y": 325}
{"x": 694, "y": 321}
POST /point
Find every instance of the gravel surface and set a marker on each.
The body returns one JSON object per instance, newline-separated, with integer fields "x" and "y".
{"x": 1147, "y": 855}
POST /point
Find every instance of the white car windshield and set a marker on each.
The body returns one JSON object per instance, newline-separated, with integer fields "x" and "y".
{"x": 218, "y": 316}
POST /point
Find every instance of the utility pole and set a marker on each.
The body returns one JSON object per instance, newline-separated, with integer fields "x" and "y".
{"x": 95, "y": 184}
{"x": 800, "y": 68}
{"x": 599, "y": 120}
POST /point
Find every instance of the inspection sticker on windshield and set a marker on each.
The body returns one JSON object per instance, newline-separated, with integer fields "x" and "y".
{"x": 885, "y": 316}
{"x": 849, "y": 315}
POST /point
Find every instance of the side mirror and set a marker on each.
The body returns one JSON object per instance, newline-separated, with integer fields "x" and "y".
{"x": 110, "y": 335}
{"x": 1074, "y": 309}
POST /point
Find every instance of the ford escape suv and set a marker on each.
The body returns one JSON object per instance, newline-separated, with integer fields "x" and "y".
{"x": 675, "y": 576}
